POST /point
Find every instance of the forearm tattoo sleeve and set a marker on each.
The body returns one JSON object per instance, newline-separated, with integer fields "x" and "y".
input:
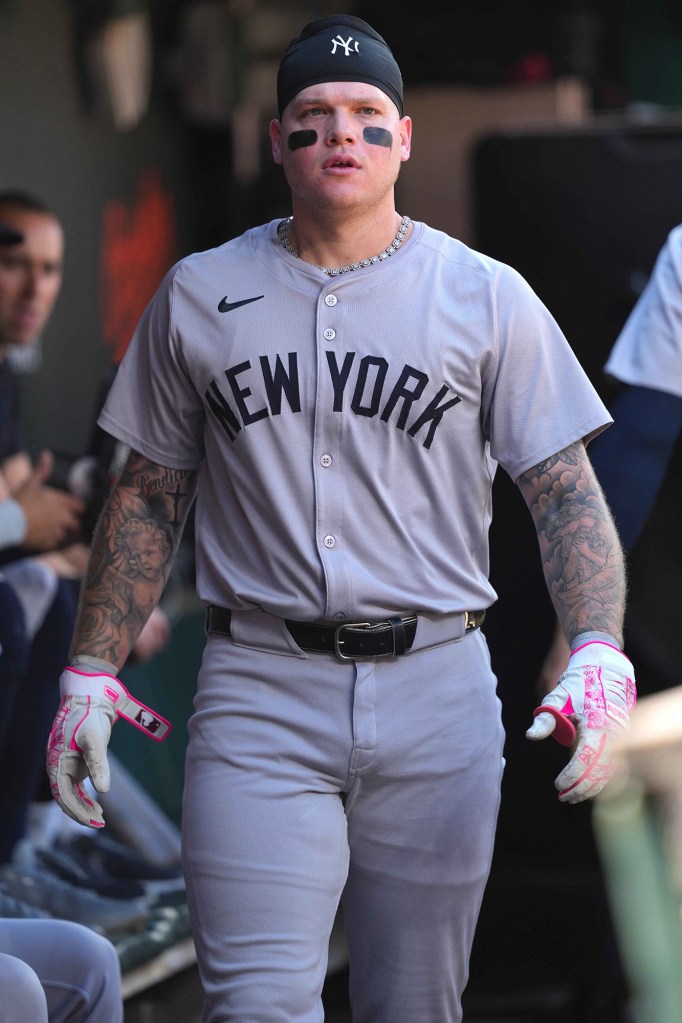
{"x": 132, "y": 553}
{"x": 581, "y": 553}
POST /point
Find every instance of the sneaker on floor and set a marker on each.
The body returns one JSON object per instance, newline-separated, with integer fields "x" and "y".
{"x": 38, "y": 887}
{"x": 100, "y": 852}
{"x": 63, "y": 865}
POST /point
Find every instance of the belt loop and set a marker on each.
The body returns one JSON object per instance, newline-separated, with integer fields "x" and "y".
{"x": 399, "y": 640}
{"x": 218, "y": 620}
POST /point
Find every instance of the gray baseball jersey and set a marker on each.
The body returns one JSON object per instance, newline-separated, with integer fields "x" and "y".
{"x": 648, "y": 350}
{"x": 347, "y": 429}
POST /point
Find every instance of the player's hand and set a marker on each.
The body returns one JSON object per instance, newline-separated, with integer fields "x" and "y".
{"x": 77, "y": 747}
{"x": 68, "y": 563}
{"x": 51, "y": 515}
{"x": 589, "y": 706}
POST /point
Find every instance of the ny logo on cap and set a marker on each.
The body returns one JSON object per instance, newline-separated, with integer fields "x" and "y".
{"x": 339, "y": 41}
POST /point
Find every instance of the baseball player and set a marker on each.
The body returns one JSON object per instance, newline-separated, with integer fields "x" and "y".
{"x": 632, "y": 459}
{"x": 647, "y": 360}
{"x": 337, "y": 389}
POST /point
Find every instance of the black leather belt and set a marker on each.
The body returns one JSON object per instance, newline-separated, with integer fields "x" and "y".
{"x": 350, "y": 641}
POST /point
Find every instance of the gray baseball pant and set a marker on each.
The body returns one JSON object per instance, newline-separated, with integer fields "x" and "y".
{"x": 308, "y": 780}
{"x": 57, "y": 971}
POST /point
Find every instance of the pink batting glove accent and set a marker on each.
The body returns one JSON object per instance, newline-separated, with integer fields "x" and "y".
{"x": 77, "y": 747}
{"x": 593, "y": 699}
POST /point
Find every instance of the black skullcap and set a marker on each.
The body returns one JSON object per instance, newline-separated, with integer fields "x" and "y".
{"x": 339, "y": 48}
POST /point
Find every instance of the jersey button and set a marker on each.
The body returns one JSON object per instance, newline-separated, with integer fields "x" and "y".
{"x": 329, "y": 334}
{"x": 330, "y": 300}
{"x": 329, "y": 541}
{"x": 326, "y": 460}
{"x": 339, "y": 616}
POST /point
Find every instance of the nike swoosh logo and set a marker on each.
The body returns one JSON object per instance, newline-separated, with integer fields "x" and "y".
{"x": 226, "y": 307}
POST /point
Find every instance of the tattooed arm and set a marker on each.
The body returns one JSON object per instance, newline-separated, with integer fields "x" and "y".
{"x": 590, "y": 704}
{"x": 133, "y": 548}
{"x": 581, "y": 553}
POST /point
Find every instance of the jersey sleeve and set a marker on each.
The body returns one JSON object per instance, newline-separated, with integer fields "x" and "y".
{"x": 537, "y": 399}
{"x": 648, "y": 350}
{"x": 153, "y": 405}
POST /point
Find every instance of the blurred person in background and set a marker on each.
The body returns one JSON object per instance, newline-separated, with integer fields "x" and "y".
{"x": 632, "y": 458}
{"x": 39, "y": 521}
{"x": 43, "y": 550}
{"x": 51, "y": 971}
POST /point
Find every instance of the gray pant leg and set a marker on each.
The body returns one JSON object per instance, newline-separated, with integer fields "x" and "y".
{"x": 79, "y": 970}
{"x": 264, "y": 831}
{"x": 22, "y": 997}
{"x": 421, "y": 821}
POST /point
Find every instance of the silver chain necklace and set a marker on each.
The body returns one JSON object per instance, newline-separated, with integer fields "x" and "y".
{"x": 283, "y": 232}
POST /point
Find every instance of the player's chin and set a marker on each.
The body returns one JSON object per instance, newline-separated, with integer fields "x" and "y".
{"x": 347, "y": 185}
{"x": 346, "y": 196}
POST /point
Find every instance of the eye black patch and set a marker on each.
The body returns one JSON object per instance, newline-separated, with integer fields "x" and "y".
{"x": 301, "y": 139}
{"x": 378, "y": 137}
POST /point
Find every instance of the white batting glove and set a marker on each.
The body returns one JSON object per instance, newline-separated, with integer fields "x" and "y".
{"x": 77, "y": 747}
{"x": 591, "y": 703}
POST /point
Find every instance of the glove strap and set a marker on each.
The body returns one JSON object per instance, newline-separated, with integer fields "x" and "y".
{"x": 108, "y": 687}
{"x": 143, "y": 717}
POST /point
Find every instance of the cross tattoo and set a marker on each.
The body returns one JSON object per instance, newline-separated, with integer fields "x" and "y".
{"x": 175, "y": 498}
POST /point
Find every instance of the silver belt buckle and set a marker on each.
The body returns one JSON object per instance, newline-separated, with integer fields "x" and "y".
{"x": 338, "y": 642}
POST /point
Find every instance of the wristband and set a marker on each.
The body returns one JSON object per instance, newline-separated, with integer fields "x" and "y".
{"x": 93, "y": 665}
{"x": 594, "y": 637}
